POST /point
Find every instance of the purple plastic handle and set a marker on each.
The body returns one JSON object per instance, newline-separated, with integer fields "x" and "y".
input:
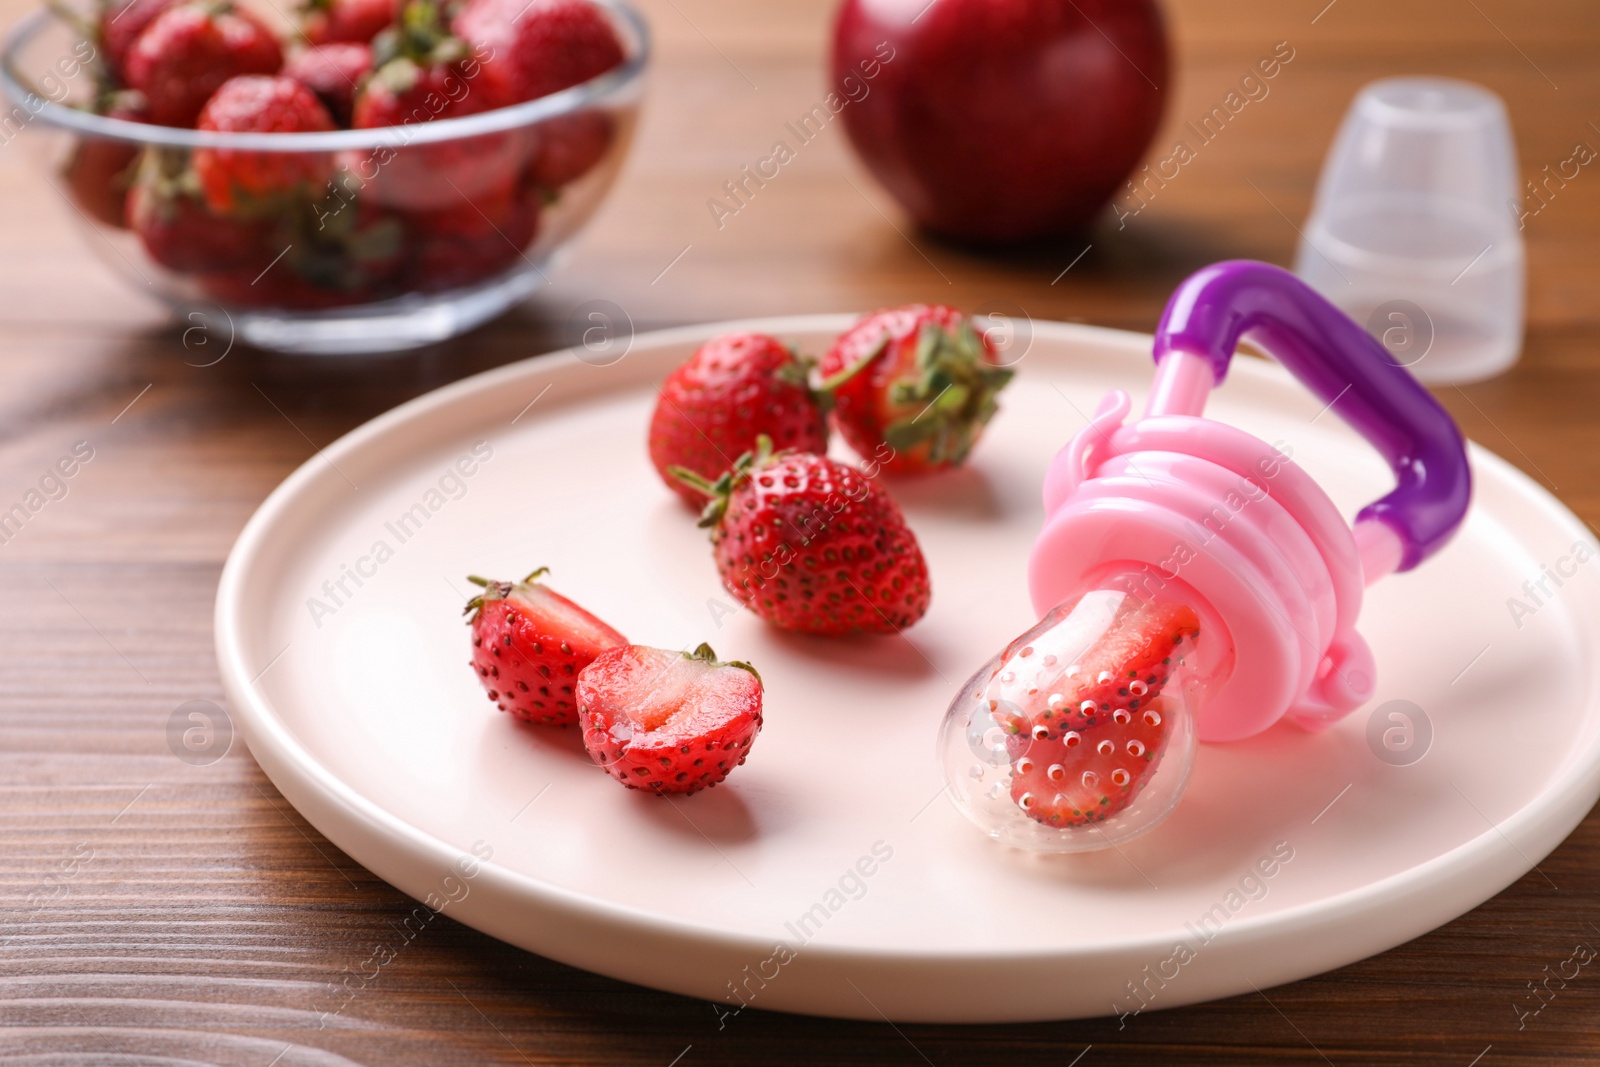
{"x": 1337, "y": 360}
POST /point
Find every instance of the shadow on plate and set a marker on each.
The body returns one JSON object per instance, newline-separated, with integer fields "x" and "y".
{"x": 718, "y": 815}
{"x": 963, "y": 493}
{"x": 868, "y": 655}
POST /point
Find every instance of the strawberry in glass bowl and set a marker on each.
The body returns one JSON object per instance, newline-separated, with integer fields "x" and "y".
{"x": 383, "y": 176}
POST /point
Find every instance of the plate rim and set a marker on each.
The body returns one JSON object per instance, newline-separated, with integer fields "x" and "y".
{"x": 1552, "y": 807}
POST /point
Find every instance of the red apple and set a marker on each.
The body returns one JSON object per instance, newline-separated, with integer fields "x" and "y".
{"x": 1001, "y": 120}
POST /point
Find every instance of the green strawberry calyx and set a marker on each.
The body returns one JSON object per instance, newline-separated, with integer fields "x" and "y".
{"x": 704, "y": 654}
{"x": 797, "y": 372}
{"x": 954, "y": 390}
{"x": 497, "y": 590}
{"x": 722, "y": 488}
{"x": 421, "y": 39}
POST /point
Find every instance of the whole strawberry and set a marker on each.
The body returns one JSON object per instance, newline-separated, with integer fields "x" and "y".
{"x": 356, "y": 21}
{"x": 280, "y": 288}
{"x": 255, "y": 103}
{"x": 528, "y": 645}
{"x": 567, "y": 147}
{"x": 540, "y": 47}
{"x": 812, "y": 545}
{"x": 189, "y": 50}
{"x": 179, "y": 232}
{"x": 471, "y": 241}
{"x": 432, "y": 75}
{"x": 918, "y": 379}
{"x": 733, "y": 389}
{"x": 1086, "y": 727}
{"x": 100, "y": 170}
{"x": 334, "y": 72}
{"x": 121, "y": 23}
{"x": 666, "y": 721}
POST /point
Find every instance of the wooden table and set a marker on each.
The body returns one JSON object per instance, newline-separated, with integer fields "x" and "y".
{"x": 200, "y": 915}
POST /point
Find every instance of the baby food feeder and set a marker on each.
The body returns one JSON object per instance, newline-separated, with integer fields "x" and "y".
{"x": 1193, "y": 581}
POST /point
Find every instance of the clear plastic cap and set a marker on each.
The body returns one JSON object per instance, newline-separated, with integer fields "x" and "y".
{"x": 1416, "y": 229}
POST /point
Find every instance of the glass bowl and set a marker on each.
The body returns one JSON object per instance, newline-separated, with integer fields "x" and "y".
{"x": 389, "y": 239}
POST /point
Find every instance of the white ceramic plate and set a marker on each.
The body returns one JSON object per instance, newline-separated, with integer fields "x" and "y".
{"x": 365, "y": 714}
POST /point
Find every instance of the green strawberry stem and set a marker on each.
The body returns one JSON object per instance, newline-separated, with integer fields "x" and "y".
{"x": 704, "y": 654}
{"x": 831, "y": 385}
{"x": 798, "y": 373}
{"x": 720, "y": 490}
{"x": 956, "y": 387}
{"x": 422, "y": 39}
{"x": 495, "y": 590}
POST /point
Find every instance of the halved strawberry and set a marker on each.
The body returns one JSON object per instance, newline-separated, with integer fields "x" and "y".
{"x": 1125, "y": 667}
{"x": 1085, "y": 776}
{"x": 666, "y": 721}
{"x": 528, "y": 645}
{"x": 1081, "y": 702}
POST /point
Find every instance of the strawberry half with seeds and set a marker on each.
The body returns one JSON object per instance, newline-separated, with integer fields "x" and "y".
{"x": 733, "y": 389}
{"x": 667, "y": 721}
{"x": 812, "y": 545}
{"x": 917, "y": 378}
{"x": 1082, "y": 704}
{"x": 1088, "y": 776}
{"x": 529, "y": 644}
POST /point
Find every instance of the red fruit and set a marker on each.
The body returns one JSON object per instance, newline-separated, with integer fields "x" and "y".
{"x": 333, "y": 72}
{"x": 100, "y": 170}
{"x": 432, "y": 177}
{"x": 539, "y": 47}
{"x": 257, "y": 104}
{"x": 918, "y": 379}
{"x": 279, "y": 288}
{"x": 732, "y": 390}
{"x": 471, "y": 242}
{"x": 1124, "y": 669}
{"x": 346, "y": 21}
{"x": 1000, "y": 120}
{"x": 122, "y": 23}
{"x": 812, "y": 545}
{"x": 179, "y": 233}
{"x": 1082, "y": 751}
{"x": 529, "y": 644}
{"x": 189, "y": 50}
{"x": 665, "y": 721}
{"x": 1089, "y": 776}
{"x": 568, "y": 147}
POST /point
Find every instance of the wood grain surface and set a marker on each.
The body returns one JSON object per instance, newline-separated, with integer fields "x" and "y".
{"x": 153, "y": 911}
